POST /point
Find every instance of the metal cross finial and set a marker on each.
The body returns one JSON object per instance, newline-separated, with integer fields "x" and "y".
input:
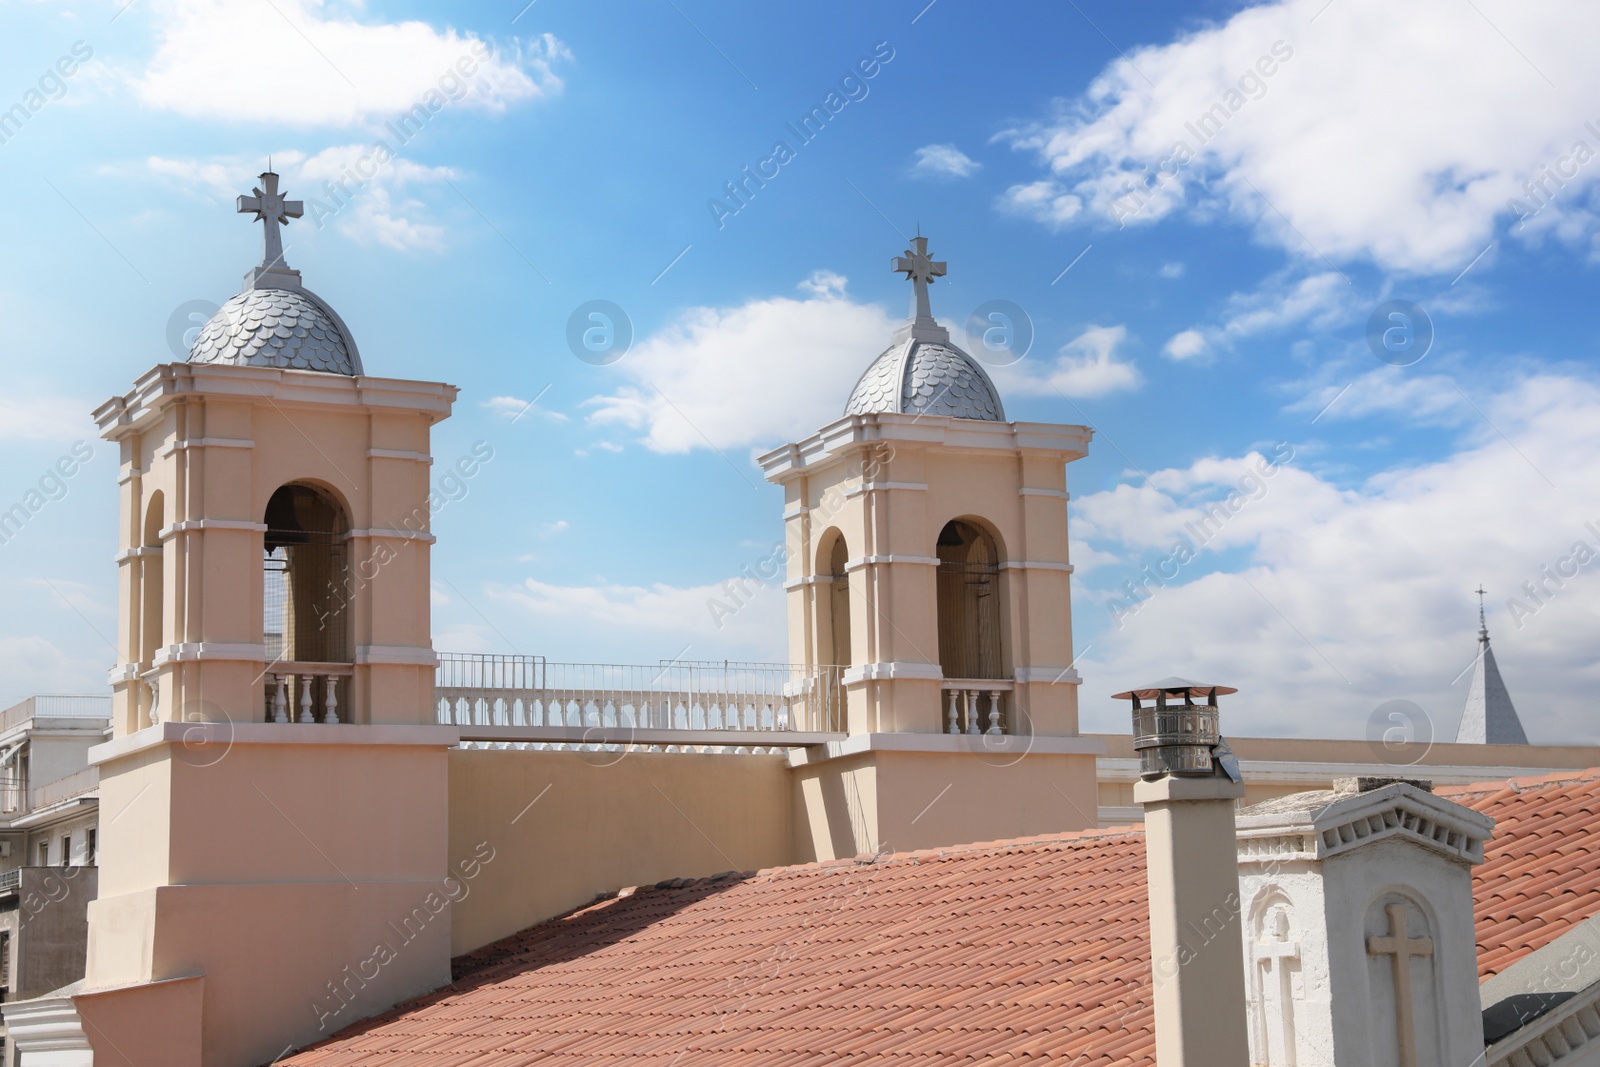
{"x": 1483, "y": 625}
{"x": 271, "y": 209}
{"x": 922, "y": 270}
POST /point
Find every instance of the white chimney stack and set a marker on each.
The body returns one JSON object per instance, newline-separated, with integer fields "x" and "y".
{"x": 1189, "y": 788}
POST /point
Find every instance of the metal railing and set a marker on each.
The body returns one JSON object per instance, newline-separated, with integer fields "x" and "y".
{"x": 79, "y": 783}
{"x": 55, "y": 707}
{"x": 689, "y": 696}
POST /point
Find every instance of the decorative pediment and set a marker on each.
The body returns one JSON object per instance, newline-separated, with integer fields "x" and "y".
{"x": 1316, "y": 826}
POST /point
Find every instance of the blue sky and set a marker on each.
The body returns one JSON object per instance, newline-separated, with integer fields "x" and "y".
{"x": 1215, "y": 313}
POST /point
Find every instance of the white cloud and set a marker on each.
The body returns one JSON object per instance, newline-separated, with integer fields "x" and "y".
{"x": 1171, "y": 270}
{"x": 514, "y": 408}
{"x": 1332, "y": 599}
{"x": 614, "y": 622}
{"x": 1325, "y": 139}
{"x": 1185, "y": 345}
{"x": 757, "y": 374}
{"x": 944, "y": 161}
{"x": 1043, "y": 200}
{"x": 1087, "y": 366}
{"x": 311, "y": 63}
{"x": 377, "y": 210}
{"x": 31, "y": 665}
{"x": 28, "y": 417}
{"x": 1321, "y": 301}
{"x": 825, "y": 284}
{"x": 364, "y": 196}
{"x": 1432, "y": 399}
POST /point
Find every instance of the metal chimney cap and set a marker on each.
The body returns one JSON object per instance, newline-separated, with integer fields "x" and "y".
{"x": 1174, "y": 687}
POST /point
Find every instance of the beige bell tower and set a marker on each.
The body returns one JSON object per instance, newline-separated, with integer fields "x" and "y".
{"x": 929, "y": 585}
{"x": 276, "y": 790}
{"x": 274, "y": 562}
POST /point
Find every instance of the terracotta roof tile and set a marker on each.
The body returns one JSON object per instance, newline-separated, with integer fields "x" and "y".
{"x": 1541, "y": 871}
{"x": 1033, "y": 951}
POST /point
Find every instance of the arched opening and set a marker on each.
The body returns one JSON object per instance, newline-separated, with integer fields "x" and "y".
{"x": 150, "y": 598}
{"x": 833, "y": 637}
{"x": 838, "y": 603}
{"x": 152, "y": 602}
{"x": 969, "y": 602}
{"x": 307, "y": 594}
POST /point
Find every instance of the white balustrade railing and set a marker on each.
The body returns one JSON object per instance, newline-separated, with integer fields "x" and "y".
{"x": 305, "y": 692}
{"x": 976, "y": 706}
{"x": 528, "y": 691}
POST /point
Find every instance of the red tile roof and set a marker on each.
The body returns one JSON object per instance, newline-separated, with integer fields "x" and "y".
{"x": 1541, "y": 871}
{"x": 1036, "y": 949}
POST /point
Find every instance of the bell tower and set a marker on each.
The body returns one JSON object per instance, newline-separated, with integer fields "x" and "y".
{"x": 276, "y": 788}
{"x": 929, "y": 585}
{"x": 274, "y": 558}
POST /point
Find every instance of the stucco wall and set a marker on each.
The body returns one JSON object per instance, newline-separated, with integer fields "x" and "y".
{"x": 300, "y": 869}
{"x": 901, "y": 801}
{"x": 564, "y": 827}
{"x": 53, "y": 905}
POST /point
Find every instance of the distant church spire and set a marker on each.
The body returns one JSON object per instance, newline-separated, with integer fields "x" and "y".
{"x": 1489, "y": 717}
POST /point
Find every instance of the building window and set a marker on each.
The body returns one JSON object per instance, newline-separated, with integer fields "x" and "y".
{"x": 66, "y": 850}
{"x": 5, "y": 963}
{"x": 91, "y": 846}
{"x": 44, "y": 853}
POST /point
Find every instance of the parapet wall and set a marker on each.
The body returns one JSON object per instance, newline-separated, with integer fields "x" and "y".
{"x": 536, "y": 833}
{"x": 544, "y": 832}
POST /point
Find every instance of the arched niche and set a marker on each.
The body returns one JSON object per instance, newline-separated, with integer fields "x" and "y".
{"x": 833, "y": 622}
{"x": 969, "y": 607}
{"x": 833, "y": 637}
{"x": 1272, "y": 954}
{"x": 151, "y": 600}
{"x": 1405, "y": 987}
{"x": 307, "y": 588}
{"x": 152, "y": 605}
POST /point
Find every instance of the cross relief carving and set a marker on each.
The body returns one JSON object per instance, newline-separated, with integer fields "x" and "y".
{"x": 1401, "y": 948}
{"x": 1277, "y": 957}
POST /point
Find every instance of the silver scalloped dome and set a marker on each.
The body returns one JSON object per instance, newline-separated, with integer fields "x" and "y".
{"x": 920, "y": 377}
{"x": 285, "y": 328}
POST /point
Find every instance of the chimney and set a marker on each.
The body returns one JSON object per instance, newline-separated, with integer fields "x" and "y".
{"x": 1190, "y": 784}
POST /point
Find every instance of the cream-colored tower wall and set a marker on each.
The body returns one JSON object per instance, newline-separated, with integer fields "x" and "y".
{"x": 888, "y": 484}
{"x": 215, "y": 442}
{"x": 301, "y": 869}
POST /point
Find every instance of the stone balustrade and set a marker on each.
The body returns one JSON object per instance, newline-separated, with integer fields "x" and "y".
{"x": 977, "y": 706}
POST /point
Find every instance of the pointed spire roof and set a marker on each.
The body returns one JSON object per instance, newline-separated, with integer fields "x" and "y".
{"x": 1489, "y": 717}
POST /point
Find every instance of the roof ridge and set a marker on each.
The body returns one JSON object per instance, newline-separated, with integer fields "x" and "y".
{"x": 1520, "y": 782}
{"x": 1003, "y": 844}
